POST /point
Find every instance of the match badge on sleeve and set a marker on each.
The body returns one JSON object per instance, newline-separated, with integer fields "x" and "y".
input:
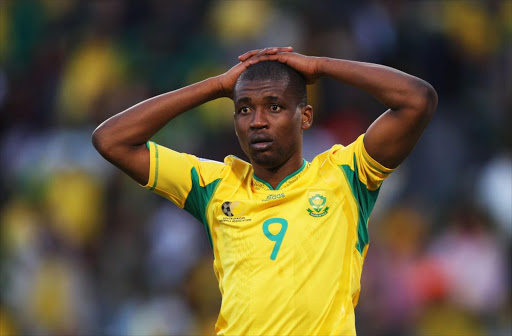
{"x": 318, "y": 203}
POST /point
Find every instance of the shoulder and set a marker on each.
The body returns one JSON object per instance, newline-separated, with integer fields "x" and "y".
{"x": 340, "y": 155}
{"x": 238, "y": 166}
{"x": 236, "y": 173}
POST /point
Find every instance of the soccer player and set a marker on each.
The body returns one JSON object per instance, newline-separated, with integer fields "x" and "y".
{"x": 288, "y": 236}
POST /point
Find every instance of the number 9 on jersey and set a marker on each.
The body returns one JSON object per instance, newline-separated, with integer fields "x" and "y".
{"x": 278, "y": 237}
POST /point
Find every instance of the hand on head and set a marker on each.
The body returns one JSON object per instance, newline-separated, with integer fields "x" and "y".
{"x": 255, "y": 54}
{"x": 306, "y": 65}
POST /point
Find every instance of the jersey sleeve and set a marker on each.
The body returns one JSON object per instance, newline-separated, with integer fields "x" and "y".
{"x": 184, "y": 179}
{"x": 356, "y": 158}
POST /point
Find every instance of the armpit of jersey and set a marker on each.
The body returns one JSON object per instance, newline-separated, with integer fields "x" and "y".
{"x": 365, "y": 200}
{"x": 364, "y": 175}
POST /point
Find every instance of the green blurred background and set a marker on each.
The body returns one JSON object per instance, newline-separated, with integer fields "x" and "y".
{"x": 86, "y": 251}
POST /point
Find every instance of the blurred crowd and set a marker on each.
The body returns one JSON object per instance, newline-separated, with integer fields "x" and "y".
{"x": 85, "y": 251}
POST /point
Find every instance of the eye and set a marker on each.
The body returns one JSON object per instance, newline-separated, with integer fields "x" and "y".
{"x": 275, "y": 108}
{"x": 244, "y": 110}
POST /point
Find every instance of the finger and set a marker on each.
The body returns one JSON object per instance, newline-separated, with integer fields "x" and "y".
{"x": 274, "y": 50}
{"x": 260, "y": 58}
{"x": 267, "y": 51}
{"x": 248, "y": 54}
{"x": 253, "y": 53}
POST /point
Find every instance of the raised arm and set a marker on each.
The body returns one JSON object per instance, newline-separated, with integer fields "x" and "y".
{"x": 411, "y": 101}
{"x": 122, "y": 138}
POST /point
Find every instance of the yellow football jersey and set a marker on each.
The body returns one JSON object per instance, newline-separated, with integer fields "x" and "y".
{"x": 288, "y": 260}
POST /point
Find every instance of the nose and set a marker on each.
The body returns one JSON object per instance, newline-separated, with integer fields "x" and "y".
{"x": 259, "y": 119}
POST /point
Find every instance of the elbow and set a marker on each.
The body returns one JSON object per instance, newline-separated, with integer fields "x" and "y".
{"x": 100, "y": 141}
{"x": 425, "y": 99}
{"x": 430, "y": 96}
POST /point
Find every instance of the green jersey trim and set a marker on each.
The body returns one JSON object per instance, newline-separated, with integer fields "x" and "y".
{"x": 304, "y": 162}
{"x": 156, "y": 165}
{"x": 375, "y": 167}
{"x": 262, "y": 181}
{"x": 365, "y": 200}
{"x": 198, "y": 199}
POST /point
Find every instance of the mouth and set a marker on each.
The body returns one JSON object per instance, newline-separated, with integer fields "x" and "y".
{"x": 260, "y": 142}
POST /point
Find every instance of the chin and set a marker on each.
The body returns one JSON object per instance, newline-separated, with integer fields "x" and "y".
{"x": 266, "y": 160}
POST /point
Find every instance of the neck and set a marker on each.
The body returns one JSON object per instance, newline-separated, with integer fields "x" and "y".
{"x": 275, "y": 175}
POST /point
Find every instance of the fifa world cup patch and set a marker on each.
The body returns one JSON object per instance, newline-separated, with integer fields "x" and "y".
{"x": 234, "y": 212}
{"x": 317, "y": 203}
{"x": 226, "y": 209}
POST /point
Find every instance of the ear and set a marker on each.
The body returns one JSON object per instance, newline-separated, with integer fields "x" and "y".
{"x": 307, "y": 117}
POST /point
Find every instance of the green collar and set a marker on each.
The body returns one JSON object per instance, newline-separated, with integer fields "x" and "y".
{"x": 265, "y": 183}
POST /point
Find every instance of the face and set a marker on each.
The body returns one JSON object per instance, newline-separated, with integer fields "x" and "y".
{"x": 269, "y": 122}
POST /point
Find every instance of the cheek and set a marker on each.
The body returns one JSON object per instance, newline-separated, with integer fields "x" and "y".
{"x": 238, "y": 129}
{"x": 241, "y": 135}
{"x": 292, "y": 128}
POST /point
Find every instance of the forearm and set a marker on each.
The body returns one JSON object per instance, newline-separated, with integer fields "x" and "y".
{"x": 411, "y": 102}
{"x": 136, "y": 125}
{"x": 393, "y": 88}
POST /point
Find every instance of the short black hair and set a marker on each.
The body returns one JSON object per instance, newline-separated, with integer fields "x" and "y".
{"x": 274, "y": 70}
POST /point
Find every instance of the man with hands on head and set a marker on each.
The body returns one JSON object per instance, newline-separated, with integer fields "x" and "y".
{"x": 288, "y": 236}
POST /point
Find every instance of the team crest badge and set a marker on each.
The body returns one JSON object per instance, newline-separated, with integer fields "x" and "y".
{"x": 318, "y": 208}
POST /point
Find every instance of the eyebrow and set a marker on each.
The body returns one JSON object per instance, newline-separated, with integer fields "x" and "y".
{"x": 243, "y": 100}
{"x": 271, "y": 98}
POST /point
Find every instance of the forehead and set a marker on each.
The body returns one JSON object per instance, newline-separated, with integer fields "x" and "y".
{"x": 259, "y": 89}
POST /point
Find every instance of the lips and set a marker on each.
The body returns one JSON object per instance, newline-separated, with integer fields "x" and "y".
{"x": 260, "y": 142}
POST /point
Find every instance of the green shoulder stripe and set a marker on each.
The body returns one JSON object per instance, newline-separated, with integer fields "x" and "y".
{"x": 198, "y": 199}
{"x": 365, "y": 200}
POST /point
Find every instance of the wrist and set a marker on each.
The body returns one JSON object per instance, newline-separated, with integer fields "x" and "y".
{"x": 320, "y": 64}
{"x": 221, "y": 89}
{"x": 218, "y": 90}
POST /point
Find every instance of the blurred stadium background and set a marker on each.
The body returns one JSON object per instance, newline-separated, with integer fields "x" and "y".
{"x": 86, "y": 251}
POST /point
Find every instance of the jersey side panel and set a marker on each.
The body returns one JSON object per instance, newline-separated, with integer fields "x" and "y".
{"x": 365, "y": 176}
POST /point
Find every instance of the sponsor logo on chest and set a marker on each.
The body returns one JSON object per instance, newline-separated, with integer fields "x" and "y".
{"x": 273, "y": 197}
